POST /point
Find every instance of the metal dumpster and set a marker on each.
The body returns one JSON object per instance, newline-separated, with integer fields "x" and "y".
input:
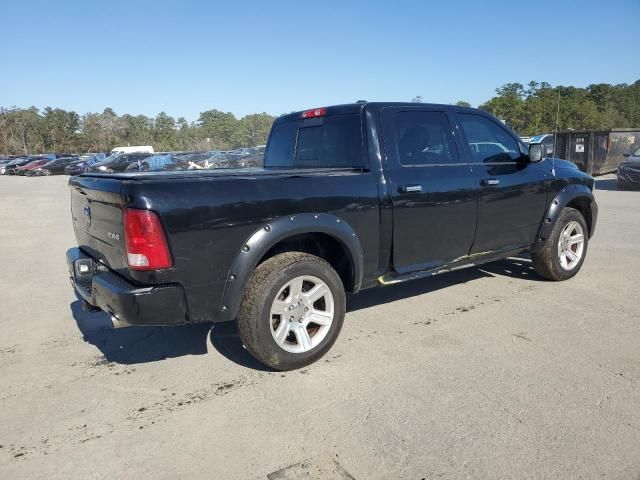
{"x": 597, "y": 151}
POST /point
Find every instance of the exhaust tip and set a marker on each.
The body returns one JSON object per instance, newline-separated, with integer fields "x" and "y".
{"x": 116, "y": 322}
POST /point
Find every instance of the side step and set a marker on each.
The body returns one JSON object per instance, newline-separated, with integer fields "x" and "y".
{"x": 474, "y": 260}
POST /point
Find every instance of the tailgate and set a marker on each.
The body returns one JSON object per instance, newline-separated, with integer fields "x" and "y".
{"x": 96, "y": 212}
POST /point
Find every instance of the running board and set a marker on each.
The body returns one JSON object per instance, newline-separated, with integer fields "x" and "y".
{"x": 473, "y": 260}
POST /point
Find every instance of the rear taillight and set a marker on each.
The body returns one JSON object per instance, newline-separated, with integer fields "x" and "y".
{"x": 144, "y": 241}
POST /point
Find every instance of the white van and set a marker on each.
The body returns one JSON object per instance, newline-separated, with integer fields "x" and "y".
{"x": 137, "y": 149}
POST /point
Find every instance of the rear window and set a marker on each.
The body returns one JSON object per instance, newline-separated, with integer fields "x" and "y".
{"x": 323, "y": 142}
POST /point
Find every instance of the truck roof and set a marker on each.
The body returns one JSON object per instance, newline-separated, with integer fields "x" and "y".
{"x": 359, "y": 106}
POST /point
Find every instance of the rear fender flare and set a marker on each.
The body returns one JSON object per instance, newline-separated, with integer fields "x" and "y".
{"x": 262, "y": 240}
{"x": 560, "y": 201}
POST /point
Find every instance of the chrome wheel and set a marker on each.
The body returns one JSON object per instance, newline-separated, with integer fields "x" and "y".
{"x": 571, "y": 245}
{"x": 301, "y": 314}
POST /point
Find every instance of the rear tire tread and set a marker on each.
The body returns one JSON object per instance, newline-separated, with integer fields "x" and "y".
{"x": 254, "y": 301}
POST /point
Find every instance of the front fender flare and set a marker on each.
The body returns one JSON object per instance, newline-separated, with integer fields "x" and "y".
{"x": 561, "y": 200}
{"x": 262, "y": 240}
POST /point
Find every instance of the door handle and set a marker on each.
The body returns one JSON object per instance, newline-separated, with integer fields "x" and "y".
{"x": 487, "y": 182}
{"x": 410, "y": 188}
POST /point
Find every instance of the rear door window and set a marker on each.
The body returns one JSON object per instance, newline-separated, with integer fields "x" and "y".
{"x": 324, "y": 142}
{"x": 424, "y": 138}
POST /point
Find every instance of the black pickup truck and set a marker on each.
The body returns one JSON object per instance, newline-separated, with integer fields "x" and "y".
{"x": 350, "y": 197}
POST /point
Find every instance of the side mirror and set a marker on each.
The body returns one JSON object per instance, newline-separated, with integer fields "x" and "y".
{"x": 535, "y": 152}
{"x": 626, "y": 154}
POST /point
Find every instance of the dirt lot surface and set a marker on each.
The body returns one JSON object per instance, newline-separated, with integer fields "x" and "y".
{"x": 483, "y": 373}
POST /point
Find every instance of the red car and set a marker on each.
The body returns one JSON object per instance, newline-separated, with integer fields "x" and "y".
{"x": 30, "y": 166}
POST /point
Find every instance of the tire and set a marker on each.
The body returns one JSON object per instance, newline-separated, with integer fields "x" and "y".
{"x": 280, "y": 342}
{"x": 548, "y": 262}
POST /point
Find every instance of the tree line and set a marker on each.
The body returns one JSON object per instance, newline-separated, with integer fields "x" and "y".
{"x": 539, "y": 107}
{"x": 529, "y": 110}
{"x": 29, "y": 130}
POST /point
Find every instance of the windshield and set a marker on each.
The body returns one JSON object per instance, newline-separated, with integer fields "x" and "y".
{"x": 636, "y": 153}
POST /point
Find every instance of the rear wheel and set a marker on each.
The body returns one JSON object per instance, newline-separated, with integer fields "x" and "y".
{"x": 292, "y": 310}
{"x": 564, "y": 251}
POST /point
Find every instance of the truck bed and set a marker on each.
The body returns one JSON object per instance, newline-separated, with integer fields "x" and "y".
{"x": 208, "y": 215}
{"x": 220, "y": 173}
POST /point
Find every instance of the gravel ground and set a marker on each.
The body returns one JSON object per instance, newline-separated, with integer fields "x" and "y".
{"x": 482, "y": 373}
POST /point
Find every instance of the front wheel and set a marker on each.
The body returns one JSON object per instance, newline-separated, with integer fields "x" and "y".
{"x": 292, "y": 310}
{"x": 564, "y": 251}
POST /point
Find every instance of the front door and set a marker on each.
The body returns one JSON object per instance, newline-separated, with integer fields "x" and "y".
{"x": 433, "y": 193}
{"x": 511, "y": 190}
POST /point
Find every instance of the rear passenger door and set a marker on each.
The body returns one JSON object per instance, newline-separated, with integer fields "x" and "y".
{"x": 433, "y": 193}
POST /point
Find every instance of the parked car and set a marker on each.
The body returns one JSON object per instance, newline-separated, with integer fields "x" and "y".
{"x": 83, "y": 162}
{"x": 350, "y": 197}
{"x": 154, "y": 162}
{"x": 11, "y": 167}
{"x": 236, "y": 157}
{"x": 53, "y": 167}
{"x": 5, "y": 167}
{"x": 5, "y": 161}
{"x": 255, "y": 158}
{"x": 240, "y": 158}
{"x": 546, "y": 140}
{"x": 216, "y": 159}
{"x": 23, "y": 169}
{"x": 92, "y": 157}
{"x": 188, "y": 160}
{"x": 116, "y": 163}
{"x": 629, "y": 171}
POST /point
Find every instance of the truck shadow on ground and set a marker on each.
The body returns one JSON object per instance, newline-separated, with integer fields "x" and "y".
{"x": 225, "y": 339}
{"x": 520, "y": 267}
{"x": 134, "y": 345}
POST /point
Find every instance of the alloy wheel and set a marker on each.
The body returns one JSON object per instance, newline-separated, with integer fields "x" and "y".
{"x": 571, "y": 245}
{"x": 301, "y": 314}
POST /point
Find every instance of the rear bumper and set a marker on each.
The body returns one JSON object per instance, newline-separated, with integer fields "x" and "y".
{"x": 629, "y": 178}
{"x": 130, "y": 304}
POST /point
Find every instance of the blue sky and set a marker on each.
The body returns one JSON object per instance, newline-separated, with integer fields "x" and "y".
{"x": 186, "y": 56}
